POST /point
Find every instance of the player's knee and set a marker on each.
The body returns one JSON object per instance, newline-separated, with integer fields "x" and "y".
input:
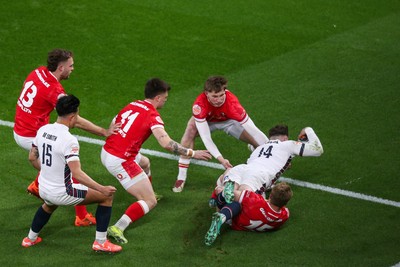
{"x": 107, "y": 201}
{"x": 49, "y": 209}
{"x": 145, "y": 163}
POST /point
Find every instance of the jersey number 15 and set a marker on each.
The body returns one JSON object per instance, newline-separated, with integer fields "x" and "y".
{"x": 46, "y": 155}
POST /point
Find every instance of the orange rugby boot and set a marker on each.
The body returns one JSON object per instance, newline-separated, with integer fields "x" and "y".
{"x": 87, "y": 221}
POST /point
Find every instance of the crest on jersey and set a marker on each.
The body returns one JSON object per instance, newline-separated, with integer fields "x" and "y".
{"x": 158, "y": 118}
{"x": 196, "y": 109}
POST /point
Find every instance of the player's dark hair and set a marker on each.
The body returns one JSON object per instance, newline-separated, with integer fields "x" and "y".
{"x": 155, "y": 87}
{"x": 66, "y": 105}
{"x": 56, "y": 56}
{"x": 280, "y": 129}
{"x": 280, "y": 194}
{"x": 215, "y": 84}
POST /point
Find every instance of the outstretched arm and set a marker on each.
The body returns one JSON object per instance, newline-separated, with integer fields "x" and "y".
{"x": 205, "y": 134}
{"x": 166, "y": 142}
{"x": 90, "y": 127}
{"x": 83, "y": 178}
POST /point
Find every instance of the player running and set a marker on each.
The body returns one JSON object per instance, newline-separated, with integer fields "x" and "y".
{"x": 120, "y": 154}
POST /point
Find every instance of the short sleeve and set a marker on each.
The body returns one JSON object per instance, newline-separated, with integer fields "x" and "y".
{"x": 72, "y": 150}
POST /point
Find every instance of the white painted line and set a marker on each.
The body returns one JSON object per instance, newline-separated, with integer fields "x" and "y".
{"x": 7, "y": 123}
{"x": 341, "y": 192}
{"x": 219, "y": 166}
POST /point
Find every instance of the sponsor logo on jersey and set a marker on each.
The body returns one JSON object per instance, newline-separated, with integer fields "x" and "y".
{"x": 120, "y": 176}
{"x": 24, "y": 109}
{"x": 196, "y": 109}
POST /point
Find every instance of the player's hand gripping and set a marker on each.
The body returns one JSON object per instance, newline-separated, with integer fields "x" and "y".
{"x": 113, "y": 129}
{"x": 202, "y": 154}
{"x": 302, "y": 136}
{"x": 224, "y": 162}
{"x": 108, "y": 190}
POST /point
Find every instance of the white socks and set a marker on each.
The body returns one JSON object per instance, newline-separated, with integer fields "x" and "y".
{"x": 183, "y": 168}
{"x": 123, "y": 222}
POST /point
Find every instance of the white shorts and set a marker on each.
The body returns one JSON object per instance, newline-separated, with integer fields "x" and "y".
{"x": 231, "y": 127}
{"x": 127, "y": 173}
{"x": 256, "y": 178}
{"x": 24, "y": 142}
{"x": 63, "y": 199}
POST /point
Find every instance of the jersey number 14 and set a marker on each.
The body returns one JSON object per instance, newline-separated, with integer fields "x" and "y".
{"x": 265, "y": 152}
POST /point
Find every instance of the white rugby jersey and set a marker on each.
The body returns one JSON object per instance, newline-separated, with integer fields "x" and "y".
{"x": 268, "y": 161}
{"x": 57, "y": 146}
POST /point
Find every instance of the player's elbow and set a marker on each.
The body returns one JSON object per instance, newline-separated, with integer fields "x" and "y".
{"x": 166, "y": 146}
{"x": 320, "y": 150}
{"x": 35, "y": 163}
{"x": 191, "y": 130}
{"x": 32, "y": 158}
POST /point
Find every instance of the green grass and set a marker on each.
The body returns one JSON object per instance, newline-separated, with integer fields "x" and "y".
{"x": 330, "y": 65}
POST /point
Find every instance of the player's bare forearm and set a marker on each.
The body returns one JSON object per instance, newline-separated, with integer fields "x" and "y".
{"x": 34, "y": 158}
{"x": 85, "y": 179}
{"x": 177, "y": 148}
{"x": 166, "y": 142}
{"x": 90, "y": 127}
{"x": 188, "y": 152}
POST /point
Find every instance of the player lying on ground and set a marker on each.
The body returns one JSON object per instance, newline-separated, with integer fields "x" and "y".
{"x": 251, "y": 211}
{"x": 264, "y": 166}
